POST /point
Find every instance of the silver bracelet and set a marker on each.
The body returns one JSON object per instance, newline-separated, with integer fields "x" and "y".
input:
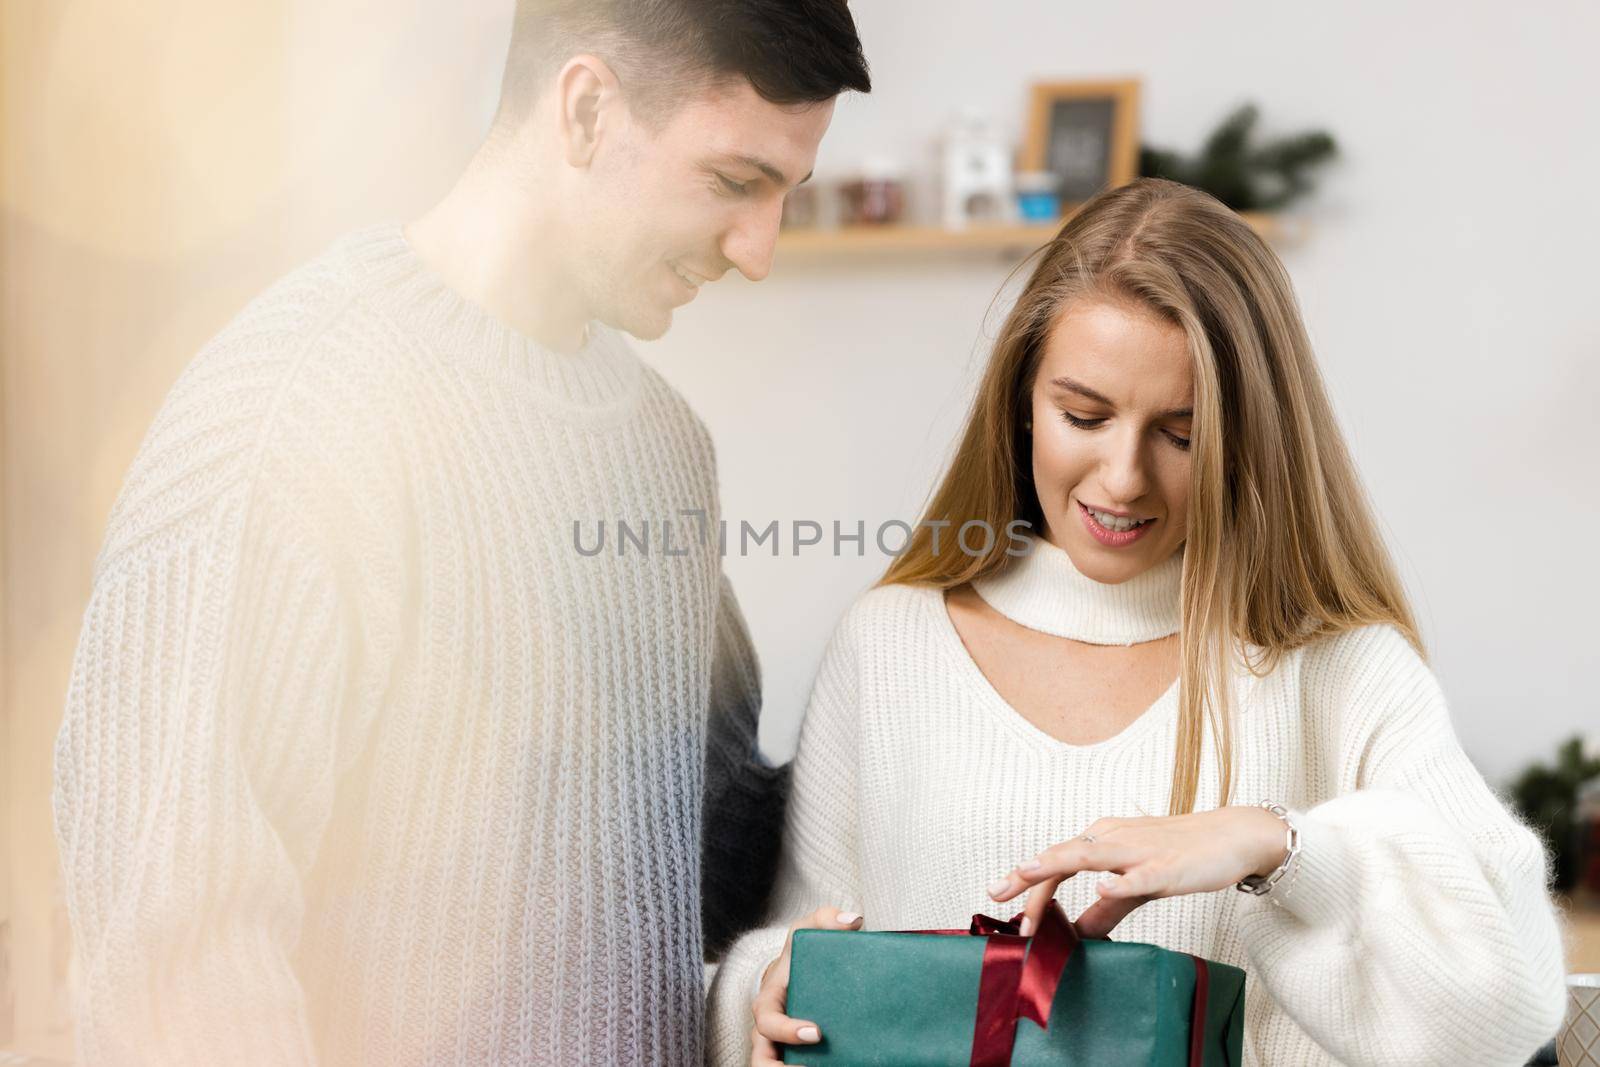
{"x": 1261, "y": 885}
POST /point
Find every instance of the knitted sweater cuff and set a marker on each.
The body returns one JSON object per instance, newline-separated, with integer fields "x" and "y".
{"x": 728, "y": 1017}
{"x": 1325, "y": 889}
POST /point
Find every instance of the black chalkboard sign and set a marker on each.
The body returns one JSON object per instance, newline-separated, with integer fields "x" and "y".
{"x": 1086, "y": 134}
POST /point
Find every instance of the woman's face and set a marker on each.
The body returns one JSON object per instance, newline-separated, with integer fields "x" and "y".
{"x": 1112, "y": 408}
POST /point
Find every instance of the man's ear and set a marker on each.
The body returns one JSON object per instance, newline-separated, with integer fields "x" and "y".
{"x": 589, "y": 99}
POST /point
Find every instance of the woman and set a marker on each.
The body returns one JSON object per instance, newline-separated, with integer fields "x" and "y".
{"x": 1206, "y": 619}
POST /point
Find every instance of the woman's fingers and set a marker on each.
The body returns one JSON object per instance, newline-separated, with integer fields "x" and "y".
{"x": 1146, "y": 858}
{"x": 773, "y": 1027}
{"x": 1061, "y": 862}
{"x": 763, "y": 1053}
{"x": 1149, "y": 879}
{"x": 1038, "y": 900}
{"x": 779, "y": 1029}
{"x": 826, "y": 917}
{"x": 1102, "y": 917}
{"x": 1043, "y": 875}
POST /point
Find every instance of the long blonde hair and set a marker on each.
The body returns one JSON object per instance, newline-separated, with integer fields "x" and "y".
{"x": 1281, "y": 547}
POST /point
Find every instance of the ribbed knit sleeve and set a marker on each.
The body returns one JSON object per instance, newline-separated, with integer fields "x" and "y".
{"x": 228, "y": 665}
{"x": 818, "y": 860}
{"x": 744, "y": 795}
{"x": 1418, "y": 929}
{"x": 195, "y": 766}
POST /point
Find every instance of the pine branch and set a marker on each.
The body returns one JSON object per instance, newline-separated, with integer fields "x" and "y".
{"x": 1243, "y": 176}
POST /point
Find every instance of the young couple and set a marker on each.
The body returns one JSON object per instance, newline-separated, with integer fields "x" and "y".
{"x": 363, "y": 763}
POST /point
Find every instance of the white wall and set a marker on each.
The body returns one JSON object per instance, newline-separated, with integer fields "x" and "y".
{"x": 1447, "y": 285}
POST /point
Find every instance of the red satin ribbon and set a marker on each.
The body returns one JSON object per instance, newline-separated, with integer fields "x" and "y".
{"x": 1020, "y": 977}
{"x": 1197, "y": 1019}
{"x": 995, "y": 1028}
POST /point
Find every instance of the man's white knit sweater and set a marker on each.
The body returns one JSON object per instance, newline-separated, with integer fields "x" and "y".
{"x": 1416, "y": 931}
{"x": 363, "y": 760}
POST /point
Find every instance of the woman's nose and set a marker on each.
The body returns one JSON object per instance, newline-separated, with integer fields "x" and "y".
{"x": 1125, "y": 474}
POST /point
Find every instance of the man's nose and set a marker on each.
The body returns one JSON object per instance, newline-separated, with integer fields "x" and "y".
{"x": 750, "y": 244}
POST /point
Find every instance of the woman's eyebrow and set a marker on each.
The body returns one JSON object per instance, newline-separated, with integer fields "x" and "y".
{"x": 1072, "y": 385}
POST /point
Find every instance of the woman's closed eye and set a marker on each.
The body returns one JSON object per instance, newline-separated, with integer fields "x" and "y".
{"x": 1178, "y": 440}
{"x": 1079, "y": 421}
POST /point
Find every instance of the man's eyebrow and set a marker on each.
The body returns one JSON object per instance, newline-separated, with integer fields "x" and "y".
{"x": 1072, "y": 385}
{"x": 773, "y": 173}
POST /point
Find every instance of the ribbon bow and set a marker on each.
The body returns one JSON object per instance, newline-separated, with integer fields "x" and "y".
{"x": 1020, "y": 977}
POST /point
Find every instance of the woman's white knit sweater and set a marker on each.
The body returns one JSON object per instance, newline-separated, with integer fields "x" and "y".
{"x": 363, "y": 762}
{"x": 1416, "y": 931}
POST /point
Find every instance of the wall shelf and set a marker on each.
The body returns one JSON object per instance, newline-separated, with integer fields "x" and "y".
{"x": 906, "y": 239}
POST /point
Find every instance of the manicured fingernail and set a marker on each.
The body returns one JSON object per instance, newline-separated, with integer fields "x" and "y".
{"x": 847, "y": 917}
{"x": 999, "y": 887}
{"x": 807, "y": 1033}
{"x": 1026, "y": 927}
{"x": 1031, "y": 865}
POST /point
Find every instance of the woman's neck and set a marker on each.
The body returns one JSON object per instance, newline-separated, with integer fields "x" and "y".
{"x": 1044, "y": 591}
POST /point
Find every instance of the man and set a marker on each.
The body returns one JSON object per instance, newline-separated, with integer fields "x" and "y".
{"x": 364, "y": 761}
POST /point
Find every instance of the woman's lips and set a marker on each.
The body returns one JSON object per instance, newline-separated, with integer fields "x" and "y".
{"x": 1112, "y": 538}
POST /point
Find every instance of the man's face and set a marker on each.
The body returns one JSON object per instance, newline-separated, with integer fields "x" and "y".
{"x": 670, "y": 209}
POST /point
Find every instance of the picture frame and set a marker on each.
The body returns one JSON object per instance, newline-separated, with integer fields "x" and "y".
{"x": 1084, "y": 132}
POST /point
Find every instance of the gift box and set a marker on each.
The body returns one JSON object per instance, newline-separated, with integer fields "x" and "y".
{"x": 987, "y": 997}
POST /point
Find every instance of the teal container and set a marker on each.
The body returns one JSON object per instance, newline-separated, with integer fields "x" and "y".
{"x": 885, "y": 999}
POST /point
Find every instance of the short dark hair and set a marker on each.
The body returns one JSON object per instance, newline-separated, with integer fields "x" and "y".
{"x": 791, "y": 51}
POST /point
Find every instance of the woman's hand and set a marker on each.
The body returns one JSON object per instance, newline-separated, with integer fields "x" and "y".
{"x": 1156, "y": 856}
{"x": 773, "y": 1027}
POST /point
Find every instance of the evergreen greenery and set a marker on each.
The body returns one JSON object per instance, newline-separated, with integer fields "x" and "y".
{"x": 1243, "y": 175}
{"x": 1547, "y": 798}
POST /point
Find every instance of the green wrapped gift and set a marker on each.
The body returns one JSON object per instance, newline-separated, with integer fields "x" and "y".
{"x": 941, "y": 998}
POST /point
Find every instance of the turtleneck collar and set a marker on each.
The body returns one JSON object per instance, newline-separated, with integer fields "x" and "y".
{"x": 1043, "y": 591}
